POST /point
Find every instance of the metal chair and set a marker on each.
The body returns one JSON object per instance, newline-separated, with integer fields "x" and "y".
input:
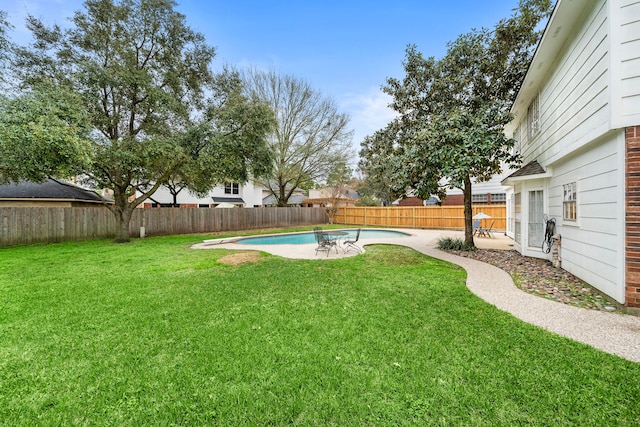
{"x": 324, "y": 243}
{"x": 350, "y": 244}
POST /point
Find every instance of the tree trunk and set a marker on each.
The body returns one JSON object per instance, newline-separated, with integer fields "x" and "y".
{"x": 468, "y": 213}
{"x": 282, "y": 198}
{"x": 122, "y": 210}
{"x": 123, "y": 218}
{"x": 174, "y": 193}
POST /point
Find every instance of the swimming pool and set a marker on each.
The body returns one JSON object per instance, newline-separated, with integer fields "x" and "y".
{"x": 308, "y": 237}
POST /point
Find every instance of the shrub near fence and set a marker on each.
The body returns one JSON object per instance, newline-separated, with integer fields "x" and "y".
{"x": 434, "y": 217}
{"x": 25, "y": 225}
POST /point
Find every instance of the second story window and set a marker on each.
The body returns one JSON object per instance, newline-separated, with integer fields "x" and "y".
{"x": 533, "y": 118}
{"x": 232, "y": 188}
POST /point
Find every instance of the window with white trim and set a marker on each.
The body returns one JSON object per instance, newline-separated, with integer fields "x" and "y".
{"x": 533, "y": 118}
{"x": 232, "y": 188}
{"x": 569, "y": 211}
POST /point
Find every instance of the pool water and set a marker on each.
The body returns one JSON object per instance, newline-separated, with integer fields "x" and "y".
{"x": 305, "y": 238}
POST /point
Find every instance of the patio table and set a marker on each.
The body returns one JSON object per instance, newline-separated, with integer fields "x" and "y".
{"x": 335, "y": 235}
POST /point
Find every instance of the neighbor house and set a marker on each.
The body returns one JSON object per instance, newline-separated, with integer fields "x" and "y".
{"x": 248, "y": 195}
{"x": 577, "y": 123}
{"x": 327, "y": 196}
{"x": 489, "y": 192}
{"x": 51, "y": 193}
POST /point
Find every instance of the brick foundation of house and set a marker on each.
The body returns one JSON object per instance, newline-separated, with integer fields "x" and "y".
{"x": 632, "y": 217}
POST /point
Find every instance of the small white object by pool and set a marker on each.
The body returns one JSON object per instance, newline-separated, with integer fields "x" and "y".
{"x": 308, "y": 237}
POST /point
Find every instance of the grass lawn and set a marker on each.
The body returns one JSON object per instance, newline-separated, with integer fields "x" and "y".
{"x": 155, "y": 333}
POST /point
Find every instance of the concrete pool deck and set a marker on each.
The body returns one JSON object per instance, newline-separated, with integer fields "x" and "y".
{"x": 610, "y": 332}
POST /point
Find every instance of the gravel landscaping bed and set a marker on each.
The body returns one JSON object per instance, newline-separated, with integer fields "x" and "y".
{"x": 540, "y": 277}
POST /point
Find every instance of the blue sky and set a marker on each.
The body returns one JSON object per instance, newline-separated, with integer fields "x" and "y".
{"x": 344, "y": 49}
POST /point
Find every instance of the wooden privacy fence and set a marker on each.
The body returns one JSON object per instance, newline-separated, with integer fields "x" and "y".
{"x": 435, "y": 217}
{"x": 25, "y": 225}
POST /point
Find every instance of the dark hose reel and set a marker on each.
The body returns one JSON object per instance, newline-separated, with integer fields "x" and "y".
{"x": 549, "y": 232}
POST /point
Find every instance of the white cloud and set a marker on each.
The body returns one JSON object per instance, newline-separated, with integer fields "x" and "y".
{"x": 369, "y": 112}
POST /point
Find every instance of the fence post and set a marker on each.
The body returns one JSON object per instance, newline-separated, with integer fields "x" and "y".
{"x": 413, "y": 217}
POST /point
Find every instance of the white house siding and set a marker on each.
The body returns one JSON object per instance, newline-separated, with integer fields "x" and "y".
{"x": 625, "y": 29}
{"x": 574, "y": 104}
{"x": 249, "y": 192}
{"x": 591, "y": 246}
{"x": 590, "y": 92}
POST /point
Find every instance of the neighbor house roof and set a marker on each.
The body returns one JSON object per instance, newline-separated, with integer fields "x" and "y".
{"x": 295, "y": 199}
{"x": 49, "y": 190}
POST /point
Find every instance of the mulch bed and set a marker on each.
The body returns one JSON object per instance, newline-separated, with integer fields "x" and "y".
{"x": 540, "y": 277}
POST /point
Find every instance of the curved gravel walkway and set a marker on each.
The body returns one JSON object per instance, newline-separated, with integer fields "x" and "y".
{"x": 610, "y": 332}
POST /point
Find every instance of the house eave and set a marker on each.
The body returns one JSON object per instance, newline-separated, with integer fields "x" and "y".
{"x": 512, "y": 181}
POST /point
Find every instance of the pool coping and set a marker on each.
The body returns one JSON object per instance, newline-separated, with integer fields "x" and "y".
{"x": 235, "y": 239}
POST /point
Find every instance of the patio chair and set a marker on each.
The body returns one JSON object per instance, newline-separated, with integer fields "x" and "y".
{"x": 486, "y": 231}
{"x": 324, "y": 243}
{"x": 476, "y": 227}
{"x": 350, "y": 244}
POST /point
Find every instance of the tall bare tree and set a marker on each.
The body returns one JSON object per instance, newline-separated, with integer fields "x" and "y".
{"x": 337, "y": 185}
{"x": 310, "y": 137}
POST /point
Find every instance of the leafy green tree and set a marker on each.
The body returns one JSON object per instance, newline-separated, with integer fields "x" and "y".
{"x": 156, "y": 109}
{"x": 368, "y": 201}
{"x": 43, "y": 133}
{"x": 229, "y": 146}
{"x": 381, "y": 162}
{"x": 310, "y": 136}
{"x": 5, "y": 43}
{"x": 453, "y": 110}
